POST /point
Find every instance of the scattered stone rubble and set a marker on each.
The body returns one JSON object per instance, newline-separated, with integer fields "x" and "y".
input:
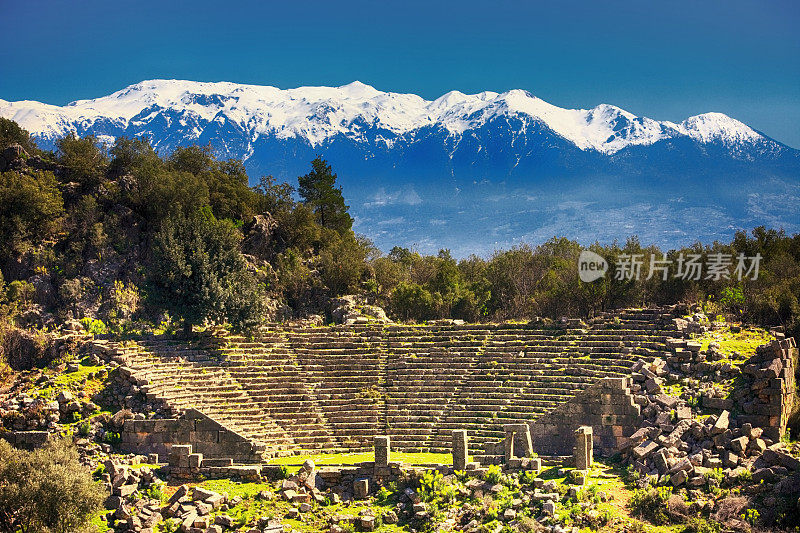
{"x": 675, "y": 446}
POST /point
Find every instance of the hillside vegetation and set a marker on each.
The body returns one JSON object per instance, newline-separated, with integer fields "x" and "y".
{"x": 127, "y": 240}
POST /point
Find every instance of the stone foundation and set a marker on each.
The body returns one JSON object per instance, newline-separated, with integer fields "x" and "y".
{"x": 27, "y": 440}
{"x": 608, "y": 407}
{"x": 205, "y": 435}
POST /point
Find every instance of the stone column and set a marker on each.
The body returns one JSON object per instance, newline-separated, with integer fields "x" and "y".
{"x": 509, "y": 445}
{"x": 460, "y": 449}
{"x": 583, "y": 447}
{"x": 382, "y": 451}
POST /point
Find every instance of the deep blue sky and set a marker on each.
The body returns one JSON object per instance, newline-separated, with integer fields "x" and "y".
{"x": 663, "y": 59}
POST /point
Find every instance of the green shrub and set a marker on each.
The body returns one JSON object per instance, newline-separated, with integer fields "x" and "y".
{"x": 714, "y": 478}
{"x": 412, "y": 301}
{"x": 382, "y": 495}
{"x": 732, "y": 300}
{"x": 751, "y": 516}
{"x": 197, "y": 272}
{"x": 32, "y": 209}
{"x": 493, "y": 474}
{"x": 701, "y": 525}
{"x": 155, "y": 492}
{"x": 527, "y": 477}
{"x": 651, "y": 503}
{"x": 112, "y": 437}
{"x": 47, "y": 490}
{"x": 429, "y": 483}
{"x": 84, "y": 159}
{"x": 99, "y": 471}
{"x": 631, "y": 475}
{"x": 169, "y": 526}
{"x": 491, "y": 513}
{"x": 21, "y": 292}
{"x": 94, "y": 326}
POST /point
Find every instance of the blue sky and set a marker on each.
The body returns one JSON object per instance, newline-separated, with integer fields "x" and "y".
{"x": 662, "y": 59}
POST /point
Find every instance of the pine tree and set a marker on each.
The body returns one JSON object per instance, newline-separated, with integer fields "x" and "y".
{"x": 318, "y": 190}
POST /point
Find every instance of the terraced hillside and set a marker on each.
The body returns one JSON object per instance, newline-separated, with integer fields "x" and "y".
{"x": 335, "y": 388}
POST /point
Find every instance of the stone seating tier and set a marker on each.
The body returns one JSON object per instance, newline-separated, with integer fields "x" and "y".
{"x": 292, "y": 390}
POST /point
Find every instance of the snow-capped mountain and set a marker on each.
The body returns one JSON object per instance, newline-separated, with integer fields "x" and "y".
{"x": 417, "y": 171}
{"x": 317, "y": 114}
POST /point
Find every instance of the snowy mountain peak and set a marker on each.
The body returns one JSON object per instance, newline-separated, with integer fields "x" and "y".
{"x": 319, "y": 114}
{"x": 710, "y": 127}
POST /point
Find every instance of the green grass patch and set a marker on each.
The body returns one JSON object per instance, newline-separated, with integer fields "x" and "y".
{"x": 744, "y": 342}
{"x": 71, "y": 380}
{"x": 234, "y": 488}
{"x": 355, "y": 458}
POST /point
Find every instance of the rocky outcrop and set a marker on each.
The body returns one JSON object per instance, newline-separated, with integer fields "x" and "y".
{"x": 260, "y": 236}
{"x": 354, "y": 309}
{"x": 14, "y": 157}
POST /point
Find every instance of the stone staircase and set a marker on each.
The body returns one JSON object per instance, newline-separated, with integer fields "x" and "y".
{"x": 184, "y": 378}
{"x": 333, "y": 389}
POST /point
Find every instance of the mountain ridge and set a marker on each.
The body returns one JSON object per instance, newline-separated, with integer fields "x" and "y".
{"x": 467, "y": 172}
{"x": 310, "y": 113}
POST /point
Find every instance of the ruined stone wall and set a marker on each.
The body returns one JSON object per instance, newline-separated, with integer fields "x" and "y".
{"x": 27, "y": 440}
{"x": 767, "y": 393}
{"x": 205, "y": 435}
{"x": 607, "y": 406}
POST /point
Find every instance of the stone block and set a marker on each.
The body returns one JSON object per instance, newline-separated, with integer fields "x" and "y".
{"x": 739, "y": 445}
{"x": 549, "y": 508}
{"x": 583, "y": 447}
{"x": 361, "y": 488}
{"x": 678, "y": 478}
{"x": 508, "y": 446}
{"x": 367, "y": 523}
{"x": 645, "y": 449}
{"x": 721, "y": 425}
{"x": 578, "y": 477}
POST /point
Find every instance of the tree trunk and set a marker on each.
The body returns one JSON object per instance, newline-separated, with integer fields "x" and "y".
{"x": 187, "y": 329}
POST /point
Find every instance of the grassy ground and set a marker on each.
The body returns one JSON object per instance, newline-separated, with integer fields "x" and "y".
{"x": 606, "y": 478}
{"x": 744, "y": 342}
{"x": 72, "y": 380}
{"x": 354, "y": 458}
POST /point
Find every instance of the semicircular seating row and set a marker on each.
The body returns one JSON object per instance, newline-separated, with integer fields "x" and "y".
{"x": 334, "y": 389}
